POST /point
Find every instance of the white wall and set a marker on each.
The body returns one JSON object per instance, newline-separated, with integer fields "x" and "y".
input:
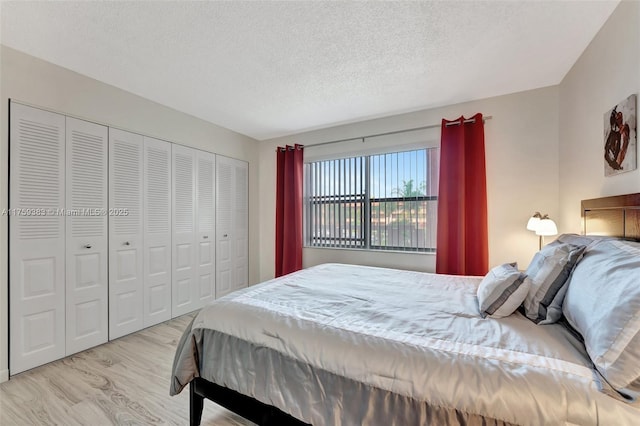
{"x": 607, "y": 72}
{"x": 39, "y": 83}
{"x": 530, "y": 135}
{"x": 522, "y": 176}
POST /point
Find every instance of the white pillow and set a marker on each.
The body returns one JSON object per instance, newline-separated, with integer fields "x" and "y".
{"x": 603, "y": 304}
{"x": 547, "y": 276}
{"x": 501, "y": 291}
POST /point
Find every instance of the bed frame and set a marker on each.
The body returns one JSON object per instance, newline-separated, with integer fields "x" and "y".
{"x": 244, "y": 406}
{"x": 617, "y": 216}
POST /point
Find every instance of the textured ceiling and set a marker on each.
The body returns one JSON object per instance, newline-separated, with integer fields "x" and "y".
{"x": 267, "y": 69}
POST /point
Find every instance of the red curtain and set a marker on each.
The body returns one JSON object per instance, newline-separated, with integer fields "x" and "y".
{"x": 462, "y": 239}
{"x": 289, "y": 209}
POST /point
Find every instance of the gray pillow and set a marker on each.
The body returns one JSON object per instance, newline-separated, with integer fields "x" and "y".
{"x": 603, "y": 304}
{"x": 501, "y": 291}
{"x": 547, "y": 276}
{"x": 581, "y": 240}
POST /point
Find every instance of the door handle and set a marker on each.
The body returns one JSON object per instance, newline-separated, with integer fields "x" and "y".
{"x": 87, "y": 246}
{"x": 126, "y": 243}
{"x": 205, "y": 236}
{"x": 225, "y": 235}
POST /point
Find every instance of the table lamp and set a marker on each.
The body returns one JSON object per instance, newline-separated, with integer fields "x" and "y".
{"x": 543, "y": 226}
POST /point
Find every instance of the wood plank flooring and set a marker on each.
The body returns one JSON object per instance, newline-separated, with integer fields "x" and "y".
{"x": 123, "y": 382}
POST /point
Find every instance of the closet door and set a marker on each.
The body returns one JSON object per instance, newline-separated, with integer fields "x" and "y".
{"x": 205, "y": 220}
{"x": 36, "y": 237}
{"x": 125, "y": 233}
{"x": 231, "y": 225}
{"x": 184, "y": 288}
{"x": 224, "y": 225}
{"x": 157, "y": 231}
{"x": 241, "y": 225}
{"x": 86, "y": 235}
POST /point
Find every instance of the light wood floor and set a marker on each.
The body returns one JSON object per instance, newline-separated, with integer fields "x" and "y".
{"x": 123, "y": 382}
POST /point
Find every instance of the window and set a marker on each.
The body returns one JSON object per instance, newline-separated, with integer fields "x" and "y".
{"x": 377, "y": 202}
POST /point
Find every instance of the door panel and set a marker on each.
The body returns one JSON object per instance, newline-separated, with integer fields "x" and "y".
{"x": 157, "y": 231}
{"x": 86, "y": 235}
{"x": 224, "y": 225}
{"x": 184, "y": 288}
{"x": 241, "y": 225}
{"x": 232, "y": 226}
{"x": 205, "y": 203}
{"x": 36, "y": 237}
{"x": 126, "y": 276}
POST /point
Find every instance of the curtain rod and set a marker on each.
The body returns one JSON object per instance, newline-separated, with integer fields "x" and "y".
{"x": 431, "y": 126}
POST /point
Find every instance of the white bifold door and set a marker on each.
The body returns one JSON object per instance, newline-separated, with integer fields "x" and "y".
{"x": 184, "y": 288}
{"x": 36, "y": 237}
{"x": 87, "y": 237}
{"x": 193, "y": 230}
{"x": 157, "y": 231}
{"x": 205, "y": 227}
{"x": 232, "y": 226}
{"x": 111, "y": 232}
{"x": 126, "y": 277}
{"x": 58, "y": 236}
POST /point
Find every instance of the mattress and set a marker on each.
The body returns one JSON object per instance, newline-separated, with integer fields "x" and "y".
{"x": 344, "y": 344}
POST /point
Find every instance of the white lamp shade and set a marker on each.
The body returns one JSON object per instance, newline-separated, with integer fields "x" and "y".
{"x": 532, "y": 225}
{"x": 546, "y": 227}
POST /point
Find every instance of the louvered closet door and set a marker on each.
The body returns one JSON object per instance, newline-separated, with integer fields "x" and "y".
{"x": 86, "y": 229}
{"x": 205, "y": 235}
{"x": 224, "y": 225}
{"x": 184, "y": 287}
{"x": 241, "y": 225}
{"x": 125, "y": 233}
{"x": 36, "y": 237}
{"x": 232, "y": 224}
{"x": 157, "y": 231}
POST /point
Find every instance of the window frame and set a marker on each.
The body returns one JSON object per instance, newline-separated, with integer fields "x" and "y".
{"x": 366, "y": 201}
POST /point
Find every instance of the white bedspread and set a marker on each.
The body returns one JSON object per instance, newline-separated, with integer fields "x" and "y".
{"x": 421, "y": 336}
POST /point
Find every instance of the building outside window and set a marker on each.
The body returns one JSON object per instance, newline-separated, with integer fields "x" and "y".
{"x": 376, "y": 202}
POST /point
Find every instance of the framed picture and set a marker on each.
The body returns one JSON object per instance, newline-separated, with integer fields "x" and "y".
{"x": 620, "y": 138}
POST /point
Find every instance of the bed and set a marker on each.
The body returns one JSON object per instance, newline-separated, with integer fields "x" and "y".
{"x": 344, "y": 344}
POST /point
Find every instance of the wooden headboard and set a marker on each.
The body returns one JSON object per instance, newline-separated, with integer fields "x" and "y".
{"x": 617, "y": 216}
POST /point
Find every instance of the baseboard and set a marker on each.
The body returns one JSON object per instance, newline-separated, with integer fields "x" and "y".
{"x": 4, "y": 376}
